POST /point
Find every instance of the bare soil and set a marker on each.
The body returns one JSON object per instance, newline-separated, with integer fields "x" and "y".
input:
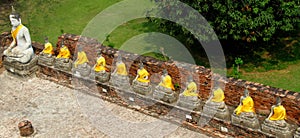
{"x": 54, "y": 111}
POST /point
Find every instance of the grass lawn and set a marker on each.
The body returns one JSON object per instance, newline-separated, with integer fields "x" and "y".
{"x": 51, "y": 17}
{"x": 288, "y": 78}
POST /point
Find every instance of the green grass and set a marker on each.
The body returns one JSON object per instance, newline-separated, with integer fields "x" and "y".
{"x": 50, "y": 17}
{"x": 130, "y": 29}
{"x": 288, "y": 78}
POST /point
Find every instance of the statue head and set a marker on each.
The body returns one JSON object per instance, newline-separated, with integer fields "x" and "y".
{"x": 190, "y": 78}
{"x": 246, "y": 92}
{"x": 141, "y": 65}
{"x": 99, "y": 53}
{"x": 14, "y": 18}
{"x": 46, "y": 39}
{"x": 79, "y": 47}
{"x": 165, "y": 72}
{"x": 119, "y": 58}
{"x": 278, "y": 101}
{"x": 62, "y": 43}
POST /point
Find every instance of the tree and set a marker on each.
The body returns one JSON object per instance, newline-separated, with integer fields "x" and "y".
{"x": 246, "y": 20}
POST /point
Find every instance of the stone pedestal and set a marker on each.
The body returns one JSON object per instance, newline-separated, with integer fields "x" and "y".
{"x": 218, "y": 110}
{"x": 164, "y": 94}
{"x": 120, "y": 81}
{"x": 141, "y": 88}
{"x": 21, "y": 69}
{"x": 297, "y": 133}
{"x": 26, "y": 128}
{"x": 102, "y": 77}
{"x": 278, "y": 131}
{"x": 46, "y": 60}
{"x": 63, "y": 65}
{"x": 189, "y": 102}
{"x": 82, "y": 71}
{"x": 245, "y": 121}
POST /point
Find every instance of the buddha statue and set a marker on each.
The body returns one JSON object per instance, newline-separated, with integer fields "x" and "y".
{"x": 100, "y": 70}
{"x": 189, "y": 98}
{"x": 141, "y": 83}
{"x": 62, "y": 60}
{"x": 46, "y": 56}
{"x": 119, "y": 77}
{"x": 275, "y": 123}
{"x": 244, "y": 114}
{"x": 19, "y": 57}
{"x": 81, "y": 66}
{"x": 20, "y": 50}
{"x": 165, "y": 89}
{"x": 215, "y": 105}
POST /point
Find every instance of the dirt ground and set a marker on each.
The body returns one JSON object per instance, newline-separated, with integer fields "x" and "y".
{"x": 57, "y": 111}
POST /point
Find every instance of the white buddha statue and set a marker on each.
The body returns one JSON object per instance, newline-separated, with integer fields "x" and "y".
{"x": 20, "y": 50}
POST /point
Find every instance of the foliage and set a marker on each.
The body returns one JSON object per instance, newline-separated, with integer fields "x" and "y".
{"x": 247, "y": 20}
{"x": 107, "y": 40}
{"x": 236, "y": 68}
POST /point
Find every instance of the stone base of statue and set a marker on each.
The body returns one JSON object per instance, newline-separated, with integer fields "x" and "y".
{"x": 45, "y": 59}
{"x": 141, "y": 88}
{"x": 63, "y": 64}
{"x": 297, "y": 133}
{"x": 164, "y": 94}
{"x": 218, "y": 109}
{"x": 245, "y": 119}
{"x": 102, "y": 76}
{"x": 120, "y": 81}
{"x": 282, "y": 131}
{"x": 21, "y": 69}
{"x": 189, "y": 102}
{"x": 82, "y": 70}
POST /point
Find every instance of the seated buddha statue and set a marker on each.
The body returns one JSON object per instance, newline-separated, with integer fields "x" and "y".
{"x": 244, "y": 114}
{"x": 81, "y": 66}
{"x": 275, "y": 122}
{"x": 62, "y": 60}
{"x": 246, "y": 106}
{"x": 119, "y": 77}
{"x": 165, "y": 89}
{"x": 141, "y": 83}
{"x": 48, "y": 48}
{"x": 45, "y": 57}
{"x": 100, "y": 70}
{"x": 189, "y": 98}
{"x": 19, "y": 57}
{"x": 215, "y": 105}
{"x": 217, "y": 98}
{"x": 64, "y": 53}
{"x": 20, "y": 50}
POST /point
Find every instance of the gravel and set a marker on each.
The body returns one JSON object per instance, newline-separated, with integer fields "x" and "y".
{"x": 57, "y": 111}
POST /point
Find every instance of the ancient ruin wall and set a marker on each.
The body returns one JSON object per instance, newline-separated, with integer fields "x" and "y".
{"x": 263, "y": 96}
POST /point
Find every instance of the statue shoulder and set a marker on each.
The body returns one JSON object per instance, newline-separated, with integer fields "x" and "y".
{"x": 25, "y": 29}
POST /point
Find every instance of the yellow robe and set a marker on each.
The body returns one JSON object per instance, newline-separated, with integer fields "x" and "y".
{"x": 246, "y": 106}
{"x": 279, "y": 113}
{"x": 191, "y": 89}
{"x": 64, "y": 53}
{"x": 81, "y": 58}
{"x": 100, "y": 65}
{"x": 121, "y": 69}
{"x": 16, "y": 31}
{"x": 167, "y": 82}
{"x": 48, "y": 49}
{"x": 218, "y": 96}
{"x": 143, "y": 76}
